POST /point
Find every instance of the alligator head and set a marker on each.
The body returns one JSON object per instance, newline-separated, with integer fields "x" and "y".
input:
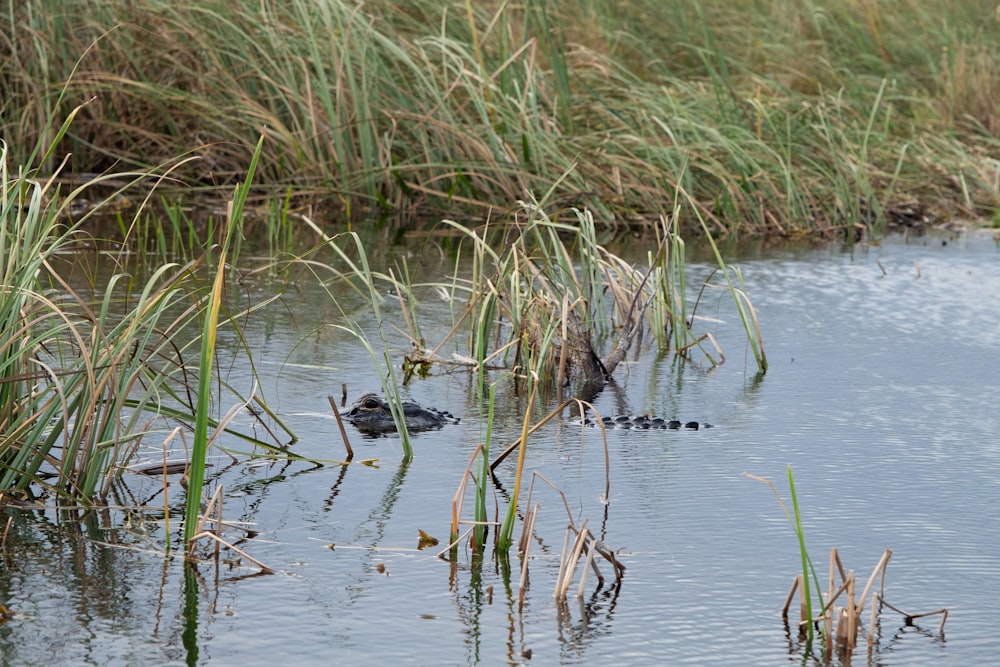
{"x": 371, "y": 413}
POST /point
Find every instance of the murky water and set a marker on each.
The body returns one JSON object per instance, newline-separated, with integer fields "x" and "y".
{"x": 882, "y": 394}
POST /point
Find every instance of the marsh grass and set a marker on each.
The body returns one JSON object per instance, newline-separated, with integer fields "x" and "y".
{"x": 579, "y": 541}
{"x": 793, "y": 118}
{"x": 88, "y": 370}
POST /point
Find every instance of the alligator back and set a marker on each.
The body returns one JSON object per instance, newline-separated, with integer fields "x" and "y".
{"x": 643, "y": 423}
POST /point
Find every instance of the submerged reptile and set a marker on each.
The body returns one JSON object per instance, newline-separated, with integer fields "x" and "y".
{"x": 371, "y": 413}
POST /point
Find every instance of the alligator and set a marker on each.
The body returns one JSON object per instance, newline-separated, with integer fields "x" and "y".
{"x": 372, "y": 414}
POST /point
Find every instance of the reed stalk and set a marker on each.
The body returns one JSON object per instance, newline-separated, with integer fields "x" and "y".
{"x": 483, "y": 482}
{"x": 507, "y": 527}
{"x": 200, "y": 440}
{"x": 802, "y": 580}
{"x": 804, "y": 555}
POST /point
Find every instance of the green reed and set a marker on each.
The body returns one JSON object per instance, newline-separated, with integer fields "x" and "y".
{"x": 808, "y": 570}
{"x": 210, "y": 326}
{"x": 484, "y": 480}
{"x": 804, "y": 555}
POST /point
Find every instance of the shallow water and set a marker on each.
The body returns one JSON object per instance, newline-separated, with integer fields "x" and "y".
{"x": 881, "y": 396}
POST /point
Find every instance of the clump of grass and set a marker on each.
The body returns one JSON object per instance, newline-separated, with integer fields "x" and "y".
{"x": 792, "y": 118}
{"x": 85, "y": 377}
{"x": 579, "y": 542}
{"x": 557, "y": 304}
{"x": 848, "y": 619}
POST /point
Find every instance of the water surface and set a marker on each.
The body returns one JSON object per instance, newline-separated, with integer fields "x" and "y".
{"x": 881, "y": 395}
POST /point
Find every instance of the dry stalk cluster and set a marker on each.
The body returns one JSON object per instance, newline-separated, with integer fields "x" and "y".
{"x": 210, "y": 526}
{"x": 579, "y": 544}
{"x": 848, "y": 618}
{"x": 558, "y": 305}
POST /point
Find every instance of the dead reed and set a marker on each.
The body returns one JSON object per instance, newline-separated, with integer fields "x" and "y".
{"x": 838, "y": 626}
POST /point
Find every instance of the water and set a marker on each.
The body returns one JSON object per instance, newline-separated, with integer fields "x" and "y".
{"x": 881, "y": 396}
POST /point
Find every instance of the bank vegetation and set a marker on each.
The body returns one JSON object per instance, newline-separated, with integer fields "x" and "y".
{"x": 776, "y": 116}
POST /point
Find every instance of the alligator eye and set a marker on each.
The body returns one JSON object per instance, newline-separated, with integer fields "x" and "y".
{"x": 372, "y": 403}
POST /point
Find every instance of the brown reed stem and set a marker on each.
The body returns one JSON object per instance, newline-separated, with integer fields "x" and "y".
{"x": 340, "y": 424}
{"x": 528, "y": 526}
{"x": 459, "y": 498}
{"x": 879, "y": 567}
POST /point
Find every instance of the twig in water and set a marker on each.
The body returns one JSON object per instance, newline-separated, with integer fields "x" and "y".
{"x": 909, "y": 618}
{"x": 213, "y": 514}
{"x": 340, "y": 424}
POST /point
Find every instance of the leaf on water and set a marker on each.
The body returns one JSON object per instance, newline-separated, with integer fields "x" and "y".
{"x": 426, "y": 540}
{"x": 6, "y": 614}
{"x": 380, "y": 568}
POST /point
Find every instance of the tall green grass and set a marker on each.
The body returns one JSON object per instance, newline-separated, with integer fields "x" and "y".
{"x": 792, "y": 118}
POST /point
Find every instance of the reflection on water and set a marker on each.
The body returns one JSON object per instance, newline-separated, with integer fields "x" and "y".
{"x": 78, "y": 581}
{"x": 881, "y": 396}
